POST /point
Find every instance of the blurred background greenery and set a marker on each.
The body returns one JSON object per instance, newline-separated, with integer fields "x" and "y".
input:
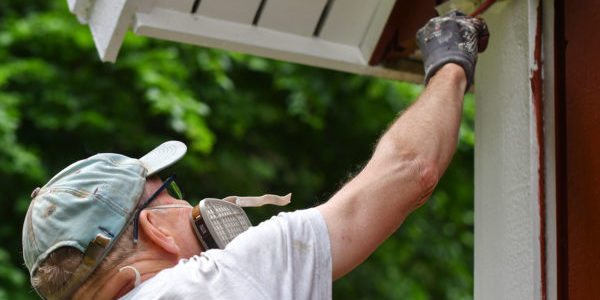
{"x": 253, "y": 126}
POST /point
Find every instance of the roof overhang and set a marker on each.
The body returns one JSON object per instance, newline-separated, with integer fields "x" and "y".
{"x": 371, "y": 37}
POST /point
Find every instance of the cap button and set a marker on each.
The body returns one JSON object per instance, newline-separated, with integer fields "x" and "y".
{"x": 35, "y": 192}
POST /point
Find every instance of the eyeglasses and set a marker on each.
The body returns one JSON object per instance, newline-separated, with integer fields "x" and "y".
{"x": 172, "y": 189}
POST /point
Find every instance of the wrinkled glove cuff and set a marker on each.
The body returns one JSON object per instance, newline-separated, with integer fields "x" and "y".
{"x": 436, "y": 62}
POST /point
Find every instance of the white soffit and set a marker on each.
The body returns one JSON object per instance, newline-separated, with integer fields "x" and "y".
{"x": 178, "y": 5}
{"x": 299, "y": 17}
{"x": 240, "y": 11}
{"x": 334, "y": 34}
{"x": 348, "y": 20}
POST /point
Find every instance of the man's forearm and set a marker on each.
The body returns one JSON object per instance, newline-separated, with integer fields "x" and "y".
{"x": 414, "y": 153}
{"x": 404, "y": 169}
{"x": 427, "y": 132}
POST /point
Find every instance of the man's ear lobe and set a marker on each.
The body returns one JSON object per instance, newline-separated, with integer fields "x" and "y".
{"x": 156, "y": 233}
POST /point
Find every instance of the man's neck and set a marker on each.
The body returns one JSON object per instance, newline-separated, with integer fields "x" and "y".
{"x": 114, "y": 283}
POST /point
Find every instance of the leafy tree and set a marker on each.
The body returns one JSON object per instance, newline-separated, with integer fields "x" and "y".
{"x": 253, "y": 126}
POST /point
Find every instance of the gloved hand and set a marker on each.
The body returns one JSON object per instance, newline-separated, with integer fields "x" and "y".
{"x": 452, "y": 38}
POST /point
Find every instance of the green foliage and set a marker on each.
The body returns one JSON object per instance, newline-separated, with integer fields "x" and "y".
{"x": 253, "y": 126}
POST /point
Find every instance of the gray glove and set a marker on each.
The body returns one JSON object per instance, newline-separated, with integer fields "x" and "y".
{"x": 452, "y": 38}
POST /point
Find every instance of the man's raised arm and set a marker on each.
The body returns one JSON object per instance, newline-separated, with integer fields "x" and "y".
{"x": 413, "y": 154}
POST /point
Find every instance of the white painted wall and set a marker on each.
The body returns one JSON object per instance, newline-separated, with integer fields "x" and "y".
{"x": 507, "y": 220}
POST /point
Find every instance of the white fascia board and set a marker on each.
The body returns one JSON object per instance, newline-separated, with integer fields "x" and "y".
{"x": 109, "y": 20}
{"x": 214, "y": 33}
{"x": 376, "y": 25}
{"x": 80, "y": 8}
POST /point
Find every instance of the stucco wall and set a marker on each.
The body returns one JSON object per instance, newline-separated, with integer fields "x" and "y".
{"x": 507, "y": 207}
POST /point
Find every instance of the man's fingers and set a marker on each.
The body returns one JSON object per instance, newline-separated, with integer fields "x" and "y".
{"x": 454, "y": 13}
{"x": 483, "y": 35}
{"x": 481, "y": 31}
{"x": 452, "y": 38}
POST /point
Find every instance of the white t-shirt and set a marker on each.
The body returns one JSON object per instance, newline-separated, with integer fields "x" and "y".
{"x": 286, "y": 257}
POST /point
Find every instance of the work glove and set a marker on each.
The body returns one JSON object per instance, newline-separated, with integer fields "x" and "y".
{"x": 452, "y": 38}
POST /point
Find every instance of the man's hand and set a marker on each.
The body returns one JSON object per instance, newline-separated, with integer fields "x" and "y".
{"x": 452, "y": 38}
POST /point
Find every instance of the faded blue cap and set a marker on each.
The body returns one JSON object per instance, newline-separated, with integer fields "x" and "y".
{"x": 88, "y": 205}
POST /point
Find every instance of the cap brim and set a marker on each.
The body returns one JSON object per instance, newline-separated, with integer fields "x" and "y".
{"x": 163, "y": 156}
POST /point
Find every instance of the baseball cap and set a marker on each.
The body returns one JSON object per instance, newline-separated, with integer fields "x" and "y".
{"x": 88, "y": 205}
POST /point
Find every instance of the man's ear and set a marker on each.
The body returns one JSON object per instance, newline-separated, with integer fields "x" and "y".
{"x": 151, "y": 225}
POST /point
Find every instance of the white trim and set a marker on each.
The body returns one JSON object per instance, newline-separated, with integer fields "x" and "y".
{"x": 241, "y": 11}
{"x": 534, "y": 154}
{"x": 109, "y": 21}
{"x": 376, "y": 26}
{"x": 292, "y": 16}
{"x": 339, "y": 29}
{"x": 342, "y": 47}
{"x": 80, "y": 8}
{"x": 184, "y": 6}
{"x": 214, "y": 33}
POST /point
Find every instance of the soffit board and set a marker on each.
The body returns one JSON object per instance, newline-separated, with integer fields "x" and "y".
{"x": 358, "y": 36}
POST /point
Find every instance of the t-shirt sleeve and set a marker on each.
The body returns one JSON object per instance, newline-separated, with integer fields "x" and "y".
{"x": 287, "y": 257}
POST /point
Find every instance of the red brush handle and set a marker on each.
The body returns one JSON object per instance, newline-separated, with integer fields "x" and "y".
{"x": 483, "y": 7}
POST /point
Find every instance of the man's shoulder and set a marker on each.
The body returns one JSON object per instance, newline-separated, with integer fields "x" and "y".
{"x": 202, "y": 276}
{"x": 245, "y": 268}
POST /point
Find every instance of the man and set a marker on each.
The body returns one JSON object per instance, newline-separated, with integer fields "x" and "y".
{"x": 105, "y": 227}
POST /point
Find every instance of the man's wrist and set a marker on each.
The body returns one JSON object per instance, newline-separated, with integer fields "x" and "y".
{"x": 453, "y": 72}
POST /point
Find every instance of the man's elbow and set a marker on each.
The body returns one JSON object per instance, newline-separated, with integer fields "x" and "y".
{"x": 410, "y": 169}
{"x": 428, "y": 175}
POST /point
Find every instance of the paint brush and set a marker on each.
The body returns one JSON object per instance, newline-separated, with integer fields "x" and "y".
{"x": 472, "y": 8}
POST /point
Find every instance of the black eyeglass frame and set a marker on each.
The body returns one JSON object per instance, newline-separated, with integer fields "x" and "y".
{"x": 166, "y": 184}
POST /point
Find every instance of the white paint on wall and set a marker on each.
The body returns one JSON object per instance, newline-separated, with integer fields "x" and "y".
{"x": 507, "y": 219}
